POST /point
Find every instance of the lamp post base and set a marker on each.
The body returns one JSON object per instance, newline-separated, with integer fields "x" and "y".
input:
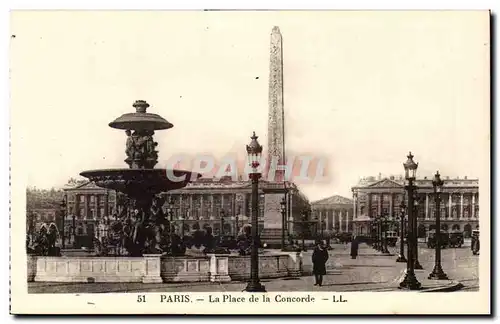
{"x": 255, "y": 287}
{"x": 418, "y": 266}
{"x": 410, "y": 282}
{"x": 438, "y": 274}
{"x": 401, "y": 258}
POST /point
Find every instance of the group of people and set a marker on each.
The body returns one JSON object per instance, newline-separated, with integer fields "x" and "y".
{"x": 44, "y": 241}
{"x": 320, "y": 256}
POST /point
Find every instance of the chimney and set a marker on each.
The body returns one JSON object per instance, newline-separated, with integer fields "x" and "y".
{"x": 380, "y": 176}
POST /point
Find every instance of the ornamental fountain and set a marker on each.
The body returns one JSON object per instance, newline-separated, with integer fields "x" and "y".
{"x": 146, "y": 230}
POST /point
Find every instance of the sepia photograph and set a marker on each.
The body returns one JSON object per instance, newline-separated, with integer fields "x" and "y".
{"x": 293, "y": 160}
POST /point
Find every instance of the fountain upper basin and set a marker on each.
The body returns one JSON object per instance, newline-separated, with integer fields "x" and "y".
{"x": 141, "y": 181}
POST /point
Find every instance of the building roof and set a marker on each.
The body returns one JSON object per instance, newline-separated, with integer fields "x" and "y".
{"x": 83, "y": 186}
{"x": 393, "y": 182}
{"x": 333, "y": 200}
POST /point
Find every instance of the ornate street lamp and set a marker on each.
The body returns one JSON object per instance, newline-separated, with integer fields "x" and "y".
{"x": 438, "y": 273}
{"x": 73, "y": 226}
{"x": 401, "y": 257}
{"x": 373, "y": 232}
{"x": 283, "y": 221}
{"x": 170, "y": 211}
{"x": 237, "y": 220}
{"x": 63, "y": 214}
{"x": 221, "y": 232}
{"x": 303, "y": 227}
{"x": 410, "y": 280}
{"x": 181, "y": 218}
{"x": 254, "y": 151}
{"x": 418, "y": 266}
{"x": 379, "y": 232}
{"x": 384, "y": 232}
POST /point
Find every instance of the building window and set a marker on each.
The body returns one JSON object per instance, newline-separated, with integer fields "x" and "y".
{"x": 82, "y": 198}
{"x": 101, "y": 211}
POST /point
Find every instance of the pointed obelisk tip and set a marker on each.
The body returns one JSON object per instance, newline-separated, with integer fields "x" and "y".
{"x": 276, "y": 30}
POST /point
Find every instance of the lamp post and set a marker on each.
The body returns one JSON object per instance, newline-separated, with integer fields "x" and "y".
{"x": 283, "y": 221}
{"x": 372, "y": 233}
{"x": 379, "y": 233}
{"x": 221, "y": 232}
{"x": 410, "y": 280}
{"x": 384, "y": 232}
{"x": 63, "y": 214}
{"x": 181, "y": 218}
{"x": 73, "y": 229}
{"x": 401, "y": 257}
{"x": 304, "y": 219}
{"x": 237, "y": 220}
{"x": 418, "y": 266}
{"x": 170, "y": 213}
{"x": 438, "y": 273}
{"x": 254, "y": 151}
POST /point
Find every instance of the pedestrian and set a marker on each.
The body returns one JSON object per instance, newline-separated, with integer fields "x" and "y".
{"x": 319, "y": 258}
{"x": 354, "y": 247}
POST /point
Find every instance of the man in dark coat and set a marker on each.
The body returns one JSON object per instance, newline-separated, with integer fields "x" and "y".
{"x": 319, "y": 258}
{"x": 354, "y": 248}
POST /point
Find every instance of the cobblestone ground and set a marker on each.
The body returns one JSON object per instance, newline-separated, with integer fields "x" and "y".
{"x": 371, "y": 271}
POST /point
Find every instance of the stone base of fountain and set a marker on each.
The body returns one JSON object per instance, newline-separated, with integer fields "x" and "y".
{"x": 158, "y": 269}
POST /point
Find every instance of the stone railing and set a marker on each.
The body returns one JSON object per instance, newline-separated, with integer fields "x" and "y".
{"x": 270, "y": 266}
{"x": 90, "y": 269}
{"x": 182, "y": 269}
{"x": 158, "y": 269}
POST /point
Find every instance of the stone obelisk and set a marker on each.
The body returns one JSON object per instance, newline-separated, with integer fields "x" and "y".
{"x": 276, "y": 122}
{"x": 274, "y": 189}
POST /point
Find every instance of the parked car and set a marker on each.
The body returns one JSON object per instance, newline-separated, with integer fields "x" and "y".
{"x": 344, "y": 237}
{"x": 456, "y": 239}
{"x": 444, "y": 239}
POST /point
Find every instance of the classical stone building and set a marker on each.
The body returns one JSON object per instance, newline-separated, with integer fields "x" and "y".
{"x": 383, "y": 196}
{"x": 87, "y": 204}
{"x": 334, "y": 214}
{"x": 223, "y": 203}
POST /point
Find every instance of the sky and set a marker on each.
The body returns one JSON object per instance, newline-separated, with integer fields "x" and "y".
{"x": 361, "y": 89}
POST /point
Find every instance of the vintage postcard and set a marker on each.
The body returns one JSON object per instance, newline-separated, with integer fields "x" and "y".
{"x": 250, "y": 162}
